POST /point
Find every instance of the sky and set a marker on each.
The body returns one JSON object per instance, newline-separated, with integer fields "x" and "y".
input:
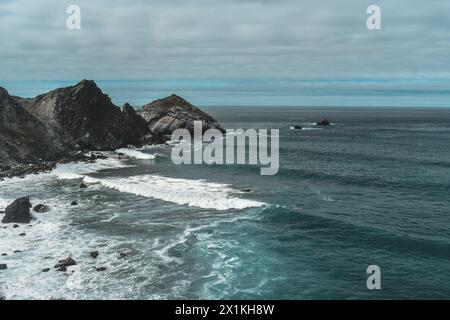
{"x": 233, "y": 52}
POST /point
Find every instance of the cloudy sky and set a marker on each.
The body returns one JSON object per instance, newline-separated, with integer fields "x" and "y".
{"x": 233, "y": 52}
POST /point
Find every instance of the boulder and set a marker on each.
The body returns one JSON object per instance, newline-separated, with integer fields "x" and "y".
{"x": 94, "y": 254}
{"x": 65, "y": 263}
{"x": 83, "y": 186}
{"x": 46, "y": 270}
{"x": 18, "y": 211}
{"x": 297, "y": 128}
{"x": 323, "y": 122}
{"x": 40, "y": 208}
{"x": 3, "y": 266}
{"x": 74, "y": 203}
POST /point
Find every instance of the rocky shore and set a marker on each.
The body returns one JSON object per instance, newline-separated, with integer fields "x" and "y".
{"x": 62, "y": 125}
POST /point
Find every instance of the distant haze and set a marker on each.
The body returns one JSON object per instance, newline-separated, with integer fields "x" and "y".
{"x": 233, "y": 52}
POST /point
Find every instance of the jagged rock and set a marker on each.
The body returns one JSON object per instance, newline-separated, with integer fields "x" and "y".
{"x": 94, "y": 254}
{"x": 323, "y": 122}
{"x": 41, "y": 208}
{"x": 65, "y": 263}
{"x": 74, "y": 203}
{"x": 62, "y": 269}
{"x": 3, "y": 266}
{"x": 18, "y": 211}
{"x": 83, "y": 186}
{"x": 165, "y": 115}
{"x": 137, "y": 125}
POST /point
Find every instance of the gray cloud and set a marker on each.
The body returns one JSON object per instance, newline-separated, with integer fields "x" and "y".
{"x": 224, "y": 39}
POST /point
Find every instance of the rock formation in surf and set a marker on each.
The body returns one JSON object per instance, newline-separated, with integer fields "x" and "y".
{"x": 165, "y": 115}
{"x": 18, "y": 211}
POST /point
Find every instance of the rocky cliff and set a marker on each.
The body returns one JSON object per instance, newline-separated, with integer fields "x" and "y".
{"x": 57, "y": 124}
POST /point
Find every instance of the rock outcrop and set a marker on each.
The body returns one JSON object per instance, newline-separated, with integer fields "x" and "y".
{"x": 85, "y": 118}
{"x": 323, "y": 122}
{"x": 59, "y": 126}
{"x": 166, "y": 115}
{"x": 18, "y": 211}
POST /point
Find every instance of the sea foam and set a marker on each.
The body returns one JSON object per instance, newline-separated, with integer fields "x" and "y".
{"x": 197, "y": 193}
{"x": 136, "y": 154}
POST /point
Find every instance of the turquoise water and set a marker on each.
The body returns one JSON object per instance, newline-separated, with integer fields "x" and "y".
{"x": 370, "y": 190}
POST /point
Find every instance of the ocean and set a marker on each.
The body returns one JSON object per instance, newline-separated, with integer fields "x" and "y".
{"x": 371, "y": 189}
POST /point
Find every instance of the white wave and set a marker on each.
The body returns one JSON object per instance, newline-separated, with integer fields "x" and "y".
{"x": 196, "y": 193}
{"x": 134, "y": 153}
{"x": 77, "y": 170}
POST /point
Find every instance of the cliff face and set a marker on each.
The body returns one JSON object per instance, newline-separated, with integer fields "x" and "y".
{"x": 165, "y": 115}
{"x": 80, "y": 118}
{"x": 23, "y": 137}
{"x": 85, "y": 117}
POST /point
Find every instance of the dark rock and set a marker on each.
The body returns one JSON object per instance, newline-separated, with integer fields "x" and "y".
{"x": 124, "y": 253}
{"x": 96, "y": 156}
{"x": 94, "y": 254}
{"x": 83, "y": 186}
{"x": 74, "y": 203}
{"x": 246, "y": 190}
{"x": 18, "y": 211}
{"x": 17, "y": 251}
{"x": 62, "y": 269}
{"x": 165, "y": 115}
{"x": 66, "y": 263}
{"x": 22, "y": 234}
{"x": 137, "y": 125}
{"x": 40, "y": 208}
{"x": 15, "y": 226}
{"x": 98, "y": 269}
{"x": 323, "y": 122}
{"x": 3, "y": 266}
{"x": 298, "y": 128}
{"x": 4, "y": 254}
{"x": 46, "y": 270}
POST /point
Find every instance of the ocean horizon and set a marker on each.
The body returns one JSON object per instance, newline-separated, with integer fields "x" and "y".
{"x": 345, "y": 93}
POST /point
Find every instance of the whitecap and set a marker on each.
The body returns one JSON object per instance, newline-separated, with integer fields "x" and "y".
{"x": 196, "y": 193}
{"x": 136, "y": 154}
